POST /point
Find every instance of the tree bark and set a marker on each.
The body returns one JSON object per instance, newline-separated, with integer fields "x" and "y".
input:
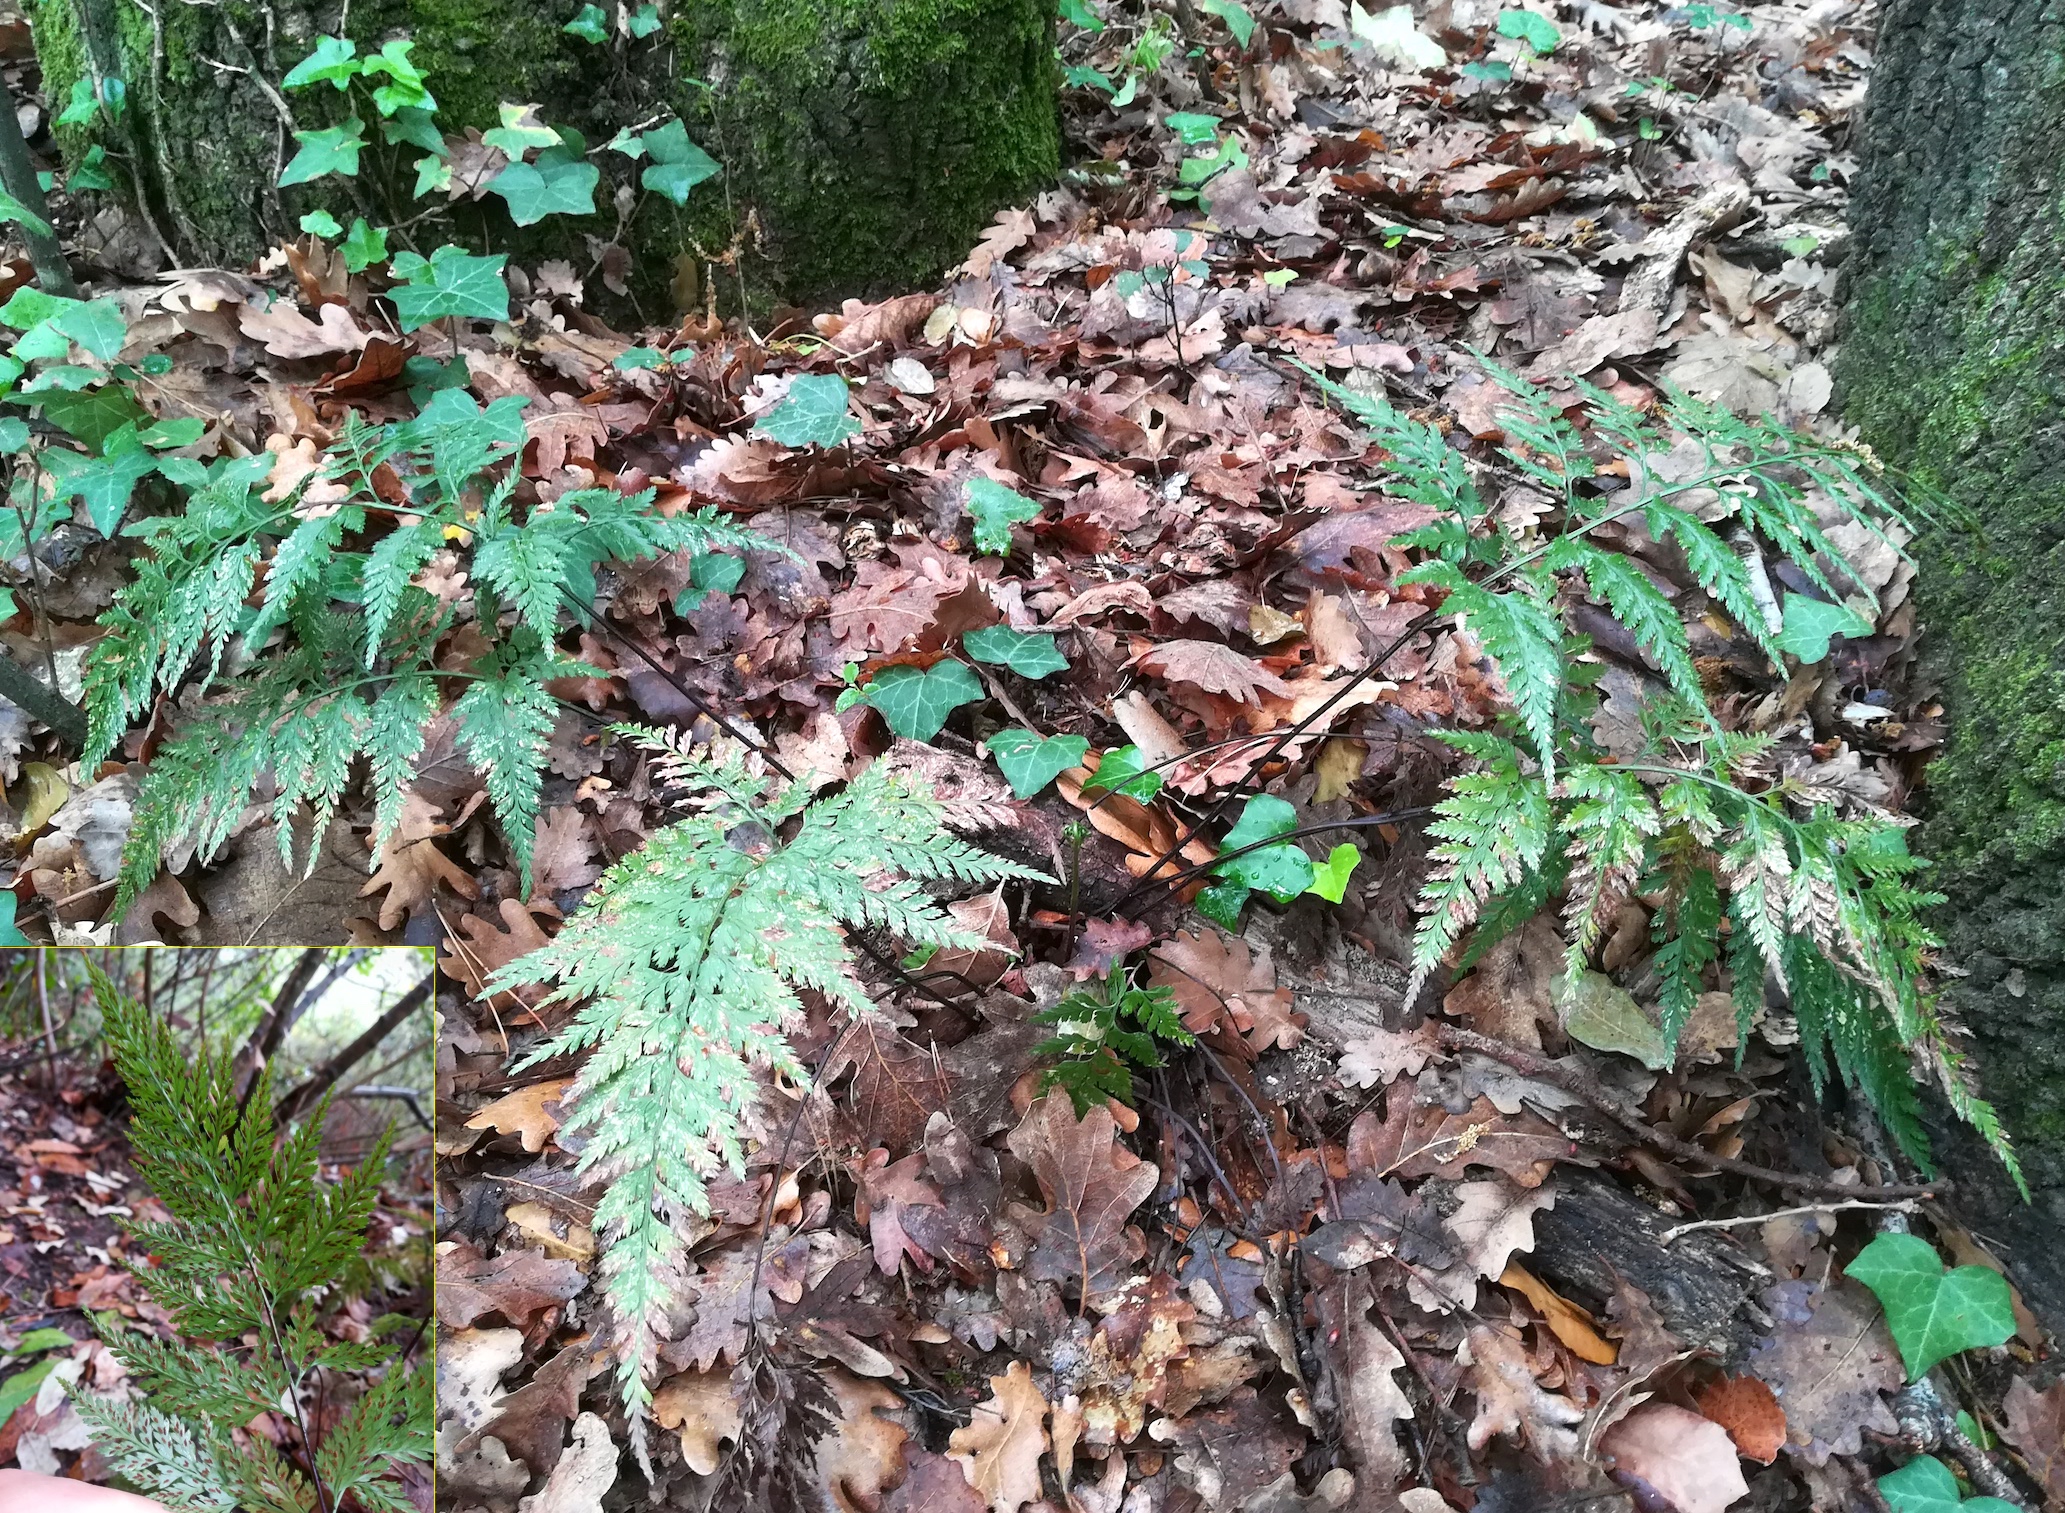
{"x": 869, "y": 142}
{"x": 1953, "y": 368}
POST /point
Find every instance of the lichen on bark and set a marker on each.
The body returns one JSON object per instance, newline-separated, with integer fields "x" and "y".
{"x": 870, "y": 140}
{"x": 1953, "y": 366}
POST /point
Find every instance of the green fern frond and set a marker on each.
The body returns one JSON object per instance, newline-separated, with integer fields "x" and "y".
{"x": 1493, "y": 828}
{"x": 683, "y": 967}
{"x": 1607, "y": 821}
{"x": 1522, "y": 636}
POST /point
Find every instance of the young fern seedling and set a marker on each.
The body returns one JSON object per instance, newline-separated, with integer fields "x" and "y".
{"x": 683, "y": 967}
{"x": 1098, "y": 1051}
{"x": 1822, "y": 903}
{"x": 249, "y": 1266}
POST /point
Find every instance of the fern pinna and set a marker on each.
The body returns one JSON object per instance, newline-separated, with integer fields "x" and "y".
{"x": 365, "y": 652}
{"x": 248, "y": 1267}
{"x": 1760, "y": 874}
{"x": 684, "y": 966}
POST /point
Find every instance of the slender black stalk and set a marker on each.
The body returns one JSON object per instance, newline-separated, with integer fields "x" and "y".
{"x": 18, "y": 172}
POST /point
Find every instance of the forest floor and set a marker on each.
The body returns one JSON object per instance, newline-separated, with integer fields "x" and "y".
{"x": 1371, "y": 1265}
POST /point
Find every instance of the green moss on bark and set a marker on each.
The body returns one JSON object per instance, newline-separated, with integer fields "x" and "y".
{"x": 873, "y": 138}
{"x": 1953, "y": 366}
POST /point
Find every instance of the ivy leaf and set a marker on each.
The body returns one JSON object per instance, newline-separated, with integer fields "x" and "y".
{"x": 1330, "y": 877}
{"x": 104, "y": 484}
{"x": 182, "y": 431}
{"x": 812, "y": 413}
{"x": 321, "y": 223}
{"x": 590, "y": 25}
{"x": 1123, "y": 770}
{"x": 1537, "y": 31}
{"x": 677, "y": 165}
{"x": 416, "y": 127}
{"x": 12, "y": 209}
{"x": 14, "y": 433}
{"x": 88, "y": 174}
{"x": 365, "y": 246}
{"x": 1239, "y": 20}
{"x": 1194, "y": 129}
{"x": 915, "y": 701}
{"x": 1078, "y": 13}
{"x": 706, "y": 571}
{"x": 1810, "y": 624}
{"x": 558, "y": 183}
{"x": 335, "y": 61}
{"x": 95, "y": 414}
{"x": 451, "y": 281}
{"x": 996, "y": 509}
{"x": 114, "y": 94}
{"x": 644, "y": 21}
{"x": 1926, "y": 1485}
{"x": 97, "y": 325}
{"x": 520, "y": 131}
{"x": 1283, "y": 872}
{"x": 1026, "y": 653}
{"x": 405, "y": 89}
{"x": 335, "y": 150}
{"x": 1221, "y": 903}
{"x": 11, "y": 935}
{"x": 1030, "y": 762}
{"x": 632, "y": 359}
{"x": 1933, "y": 1313}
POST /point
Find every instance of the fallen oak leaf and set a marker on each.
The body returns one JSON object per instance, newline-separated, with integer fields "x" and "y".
{"x": 518, "y": 1285}
{"x": 1214, "y": 668}
{"x": 1001, "y": 1446}
{"x": 529, "y": 1113}
{"x": 1750, "y": 1412}
{"x": 1091, "y": 1184}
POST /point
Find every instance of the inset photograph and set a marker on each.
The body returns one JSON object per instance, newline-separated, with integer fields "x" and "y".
{"x": 215, "y": 1286}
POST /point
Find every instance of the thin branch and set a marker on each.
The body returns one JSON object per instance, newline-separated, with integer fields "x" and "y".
{"x": 1905, "y": 1205}
{"x": 302, "y": 1098}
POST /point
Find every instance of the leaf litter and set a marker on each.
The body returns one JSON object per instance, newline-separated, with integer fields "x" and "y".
{"x": 1332, "y": 1259}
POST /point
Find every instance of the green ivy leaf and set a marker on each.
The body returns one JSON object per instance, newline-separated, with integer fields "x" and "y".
{"x": 1194, "y": 129}
{"x": 104, "y": 484}
{"x": 1283, "y": 872}
{"x": 1330, "y": 877}
{"x": 1933, "y": 1313}
{"x": 1221, "y": 903}
{"x": 94, "y": 414}
{"x": 90, "y": 173}
{"x": 644, "y": 22}
{"x": 1537, "y": 31}
{"x": 677, "y": 165}
{"x": 590, "y": 25}
{"x": 915, "y": 701}
{"x": 1926, "y": 1485}
{"x": 1237, "y": 17}
{"x": 1030, "y": 762}
{"x": 365, "y": 246}
{"x": 1123, "y": 770}
{"x": 14, "y": 433}
{"x": 1026, "y": 653}
{"x": 12, "y": 209}
{"x": 321, "y": 223}
{"x": 451, "y": 281}
{"x": 415, "y": 126}
{"x": 519, "y": 132}
{"x": 720, "y": 571}
{"x": 632, "y": 359}
{"x": 23, "y": 1385}
{"x": 1810, "y": 624}
{"x": 558, "y": 183}
{"x": 335, "y": 61}
{"x": 812, "y": 413}
{"x": 97, "y": 326}
{"x": 335, "y": 150}
{"x": 11, "y": 935}
{"x": 405, "y": 89}
{"x": 182, "y": 431}
{"x": 84, "y": 103}
{"x": 996, "y": 509}
{"x": 1078, "y": 13}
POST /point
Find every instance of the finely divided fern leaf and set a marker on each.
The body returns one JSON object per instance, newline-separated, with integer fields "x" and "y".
{"x": 684, "y": 967}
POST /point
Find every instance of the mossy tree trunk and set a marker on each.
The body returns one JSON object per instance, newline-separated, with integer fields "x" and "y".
{"x": 1953, "y": 364}
{"x": 871, "y": 140}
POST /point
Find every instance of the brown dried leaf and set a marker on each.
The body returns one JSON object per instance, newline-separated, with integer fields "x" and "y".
{"x": 530, "y": 1112}
{"x": 411, "y": 867}
{"x": 703, "y": 1408}
{"x": 517, "y": 1285}
{"x": 1213, "y": 668}
{"x": 1511, "y": 1401}
{"x": 1746, "y": 1408}
{"x": 2036, "y": 1426}
{"x": 1000, "y": 1449}
{"x": 1091, "y": 1184}
{"x": 1688, "y": 1461}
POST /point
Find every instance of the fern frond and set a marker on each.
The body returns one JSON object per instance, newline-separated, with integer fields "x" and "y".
{"x": 1607, "y": 826}
{"x": 1639, "y": 605}
{"x": 1687, "y": 930}
{"x": 175, "y": 1461}
{"x": 1493, "y": 827}
{"x": 683, "y": 966}
{"x": 1522, "y": 636}
{"x": 505, "y": 720}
